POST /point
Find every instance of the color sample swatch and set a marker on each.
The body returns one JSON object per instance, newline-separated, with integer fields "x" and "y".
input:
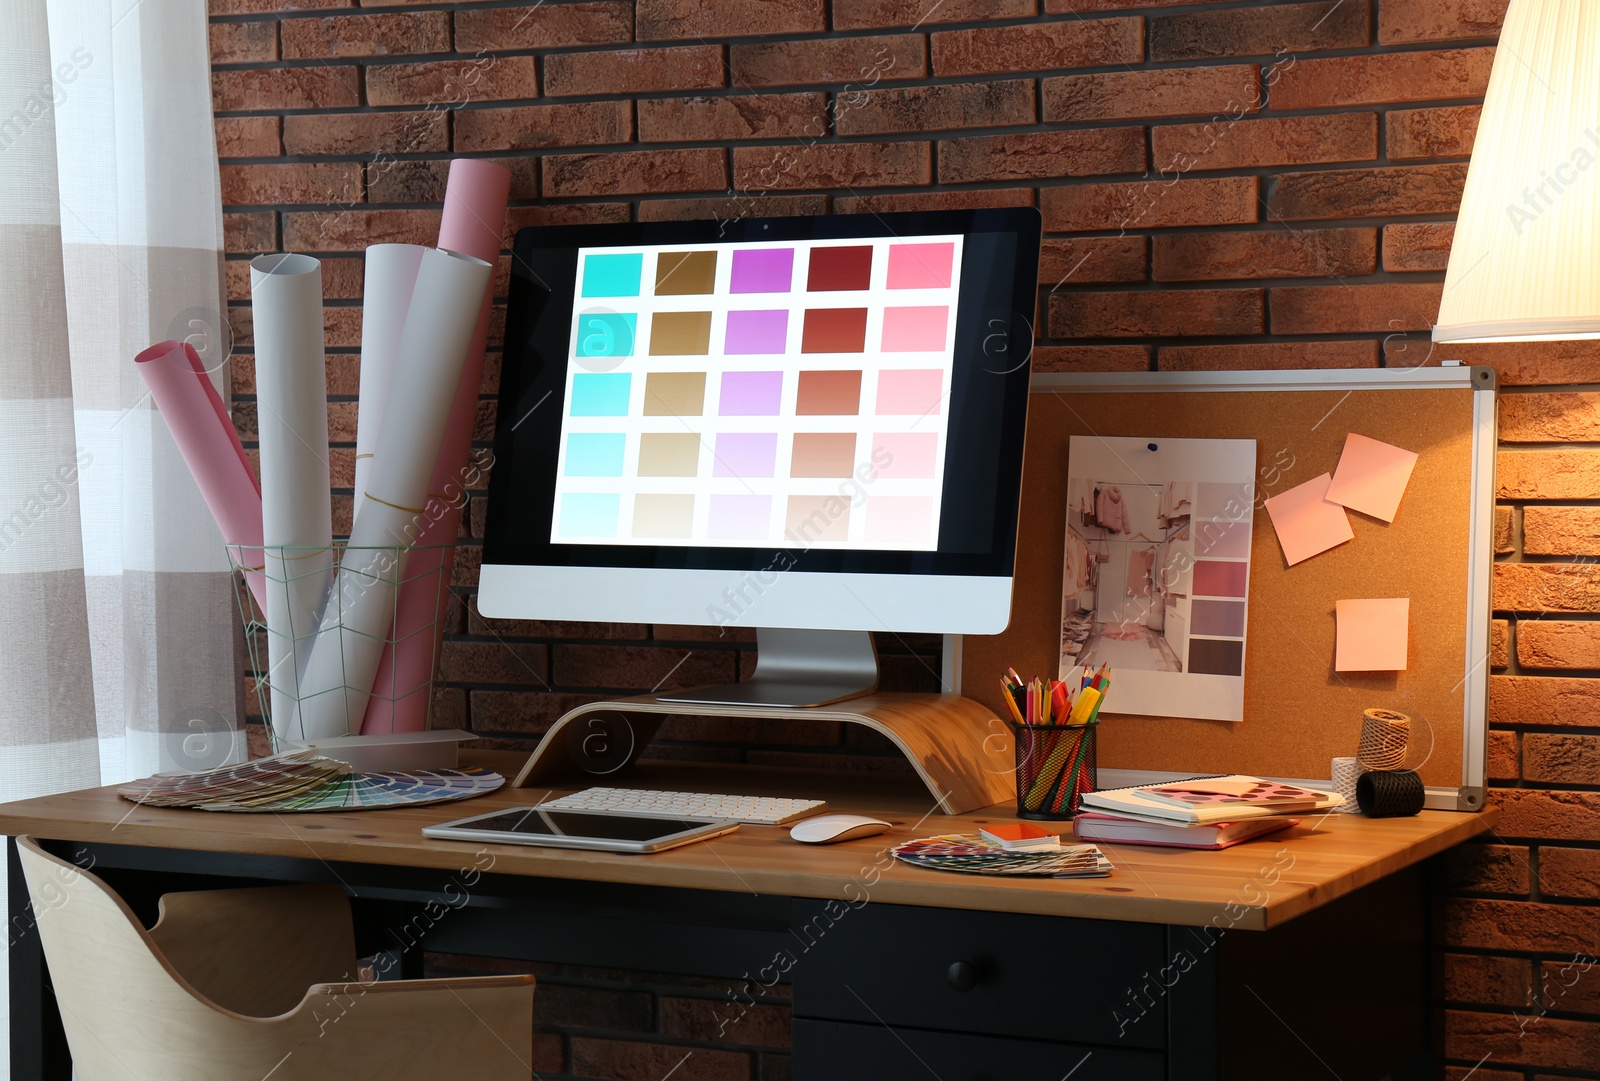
{"x": 782, "y": 394}
{"x": 1372, "y": 635}
{"x": 1308, "y": 523}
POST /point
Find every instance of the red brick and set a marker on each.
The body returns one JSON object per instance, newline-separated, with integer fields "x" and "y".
{"x": 1550, "y": 418}
{"x": 1380, "y": 79}
{"x": 634, "y": 172}
{"x": 529, "y": 712}
{"x": 419, "y": 181}
{"x": 1091, "y": 358}
{"x": 563, "y": 1005}
{"x": 844, "y": 165}
{"x": 1259, "y": 30}
{"x": 1499, "y": 643}
{"x": 1488, "y": 981}
{"x": 1481, "y": 1073}
{"x": 1172, "y": 312}
{"x": 397, "y": 33}
{"x": 263, "y": 7}
{"x": 1275, "y": 253}
{"x": 1445, "y": 132}
{"x": 1546, "y": 587}
{"x": 449, "y": 83}
{"x": 348, "y": 134}
{"x": 1367, "y": 193}
{"x": 1508, "y": 1038}
{"x": 1571, "y": 985}
{"x": 1518, "y": 925}
{"x": 1546, "y": 815}
{"x": 1548, "y": 474}
{"x": 1505, "y": 756}
{"x": 1242, "y": 144}
{"x": 248, "y": 137}
{"x": 304, "y": 182}
{"x": 544, "y": 26}
{"x": 354, "y": 230}
{"x": 1561, "y": 531}
{"x": 853, "y": 62}
{"x": 1488, "y": 868}
{"x": 1531, "y": 363}
{"x": 628, "y": 1061}
{"x": 1422, "y": 246}
{"x": 1439, "y": 20}
{"x": 520, "y": 127}
{"x": 659, "y": 20}
{"x": 1038, "y": 47}
{"x": 1079, "y": 7}
{"x": 1559, "y": 758}
{"x": 243, "y": 43}
{"x": 735, "y": 208}
{"x": 1150, "y": 204}
{"x": 520, "y": 217}
{"x": 256, "y": 232}
{"x": 1129, "y": 95}
{"x": 936, "y": 108}
{"x": 1087, "y": 260}
{"x": 1564, "y": 702}
{"x": 933, "y": 200}
{"x": 1027, "y": 155}
{"x": 733, "y": 1021}
{"x": 881, "y": 14}
{"x": 1264, "y": 356}
{"x": 266, "y": 89}
{"x": 639, "y": 667}
{"x": 1504, "y": 531}
{"x": 343, "y": 370}
{"x": 635, "y": 71}
{"x": 1352, "y": 309}
{"x": 744, "y": 116}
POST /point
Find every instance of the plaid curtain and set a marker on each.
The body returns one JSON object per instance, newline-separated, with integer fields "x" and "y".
{"x": 118, "y": 643}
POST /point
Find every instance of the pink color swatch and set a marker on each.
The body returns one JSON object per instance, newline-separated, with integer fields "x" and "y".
{"x": 912, "y": 455}
{"x": 1213, "y": 579}
{"x": 915, "y": 330}
{"x": 750, "y": 394}
{"x": 758, "y": 332}
{"x": 902, "y": 520}
{"x": 739, "y": 517}
{"x": 921, "y": 266}
{"x": 911, "y": 392}
{"x": 745, "y": 454}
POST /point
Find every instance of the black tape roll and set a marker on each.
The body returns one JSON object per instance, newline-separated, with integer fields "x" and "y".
{"x": 1395, "y": 793}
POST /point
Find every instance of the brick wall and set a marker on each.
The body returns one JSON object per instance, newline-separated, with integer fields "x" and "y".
{"x": 1224, "y": 185}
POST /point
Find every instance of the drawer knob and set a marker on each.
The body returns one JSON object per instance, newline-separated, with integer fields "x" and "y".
{"x": 963, "y": 976}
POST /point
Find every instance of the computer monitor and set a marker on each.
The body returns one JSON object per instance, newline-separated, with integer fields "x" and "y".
{"x": 812, "y": 426}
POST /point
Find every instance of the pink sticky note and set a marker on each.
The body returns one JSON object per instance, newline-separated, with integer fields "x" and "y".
{"x": 1307, "y": 523}
{"x": 1372, "y": 635}
{"x": 1372, "y": 476}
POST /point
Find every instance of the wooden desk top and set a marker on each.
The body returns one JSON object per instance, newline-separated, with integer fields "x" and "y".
{"x": 1253, "y": 886}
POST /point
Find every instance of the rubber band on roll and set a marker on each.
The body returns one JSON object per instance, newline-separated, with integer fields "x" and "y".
{"x": 1346, "y": 772}
{"x": 1385, "y": 738}
{"x": 1395, "y": 793}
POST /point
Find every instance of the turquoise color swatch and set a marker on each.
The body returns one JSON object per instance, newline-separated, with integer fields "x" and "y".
{"x": 590, "y": 514}
{"x": 606, "y": 334}
{"x": 612, "y": 275}
{"x": 595, "y": 454}
{"x": 600, "y": 395}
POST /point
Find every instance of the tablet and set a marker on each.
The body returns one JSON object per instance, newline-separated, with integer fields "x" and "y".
{"x": 605, "y": 830}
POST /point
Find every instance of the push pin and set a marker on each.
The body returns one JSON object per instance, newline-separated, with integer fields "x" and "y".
{"x": 1152, "y": 446}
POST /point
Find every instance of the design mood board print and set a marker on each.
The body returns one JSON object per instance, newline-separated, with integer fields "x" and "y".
{"x": 788, "y": 394}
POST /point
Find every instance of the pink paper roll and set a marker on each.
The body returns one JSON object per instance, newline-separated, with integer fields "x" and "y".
{"x": 206, "y": 438}
{"x": 474, "y": 219}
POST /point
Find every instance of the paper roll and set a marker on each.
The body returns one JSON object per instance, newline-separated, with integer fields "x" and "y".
{"x": 210, "y": 446}
{"x": 338, "y": 680}
{"x": 474, "y": 219}
{"x": 391, "y": 274}
{"x": 1346, "y": 772}
{"x": 1385, "y": 736}
{"x": 296, "y": 515}
{"x": 1397, "y": 793}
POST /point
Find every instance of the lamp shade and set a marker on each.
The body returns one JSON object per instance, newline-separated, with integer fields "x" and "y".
{"x": 1525, "y": 263}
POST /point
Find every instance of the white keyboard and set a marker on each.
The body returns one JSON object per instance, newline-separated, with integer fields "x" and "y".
{"x": 758, "y": 810}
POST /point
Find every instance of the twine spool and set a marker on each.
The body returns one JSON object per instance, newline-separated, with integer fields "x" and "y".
{"x": 1392, "y": 794}
{"x": 1346, "y": 772}
{"x": 1385, "y": 736}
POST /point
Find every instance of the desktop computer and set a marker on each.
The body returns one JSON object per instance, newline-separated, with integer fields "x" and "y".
{"x": 810, "y": 426}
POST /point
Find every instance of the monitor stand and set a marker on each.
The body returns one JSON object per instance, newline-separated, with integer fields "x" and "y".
{"x": 797, "y": 670}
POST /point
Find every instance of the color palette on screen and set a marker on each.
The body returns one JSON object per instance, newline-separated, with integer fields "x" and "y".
{"x": 785, "y": 393}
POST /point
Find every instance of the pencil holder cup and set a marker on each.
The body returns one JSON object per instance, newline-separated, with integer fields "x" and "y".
{"x": 1055, "y": 767}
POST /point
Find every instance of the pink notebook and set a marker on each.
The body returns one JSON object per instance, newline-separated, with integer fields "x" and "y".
{"x": 1125, "y": 831}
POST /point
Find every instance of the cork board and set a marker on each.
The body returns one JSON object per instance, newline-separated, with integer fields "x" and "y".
{"x": 1299, "y": 713}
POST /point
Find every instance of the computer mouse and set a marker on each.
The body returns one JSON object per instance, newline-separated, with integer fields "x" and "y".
{"x": 831, "y": 829}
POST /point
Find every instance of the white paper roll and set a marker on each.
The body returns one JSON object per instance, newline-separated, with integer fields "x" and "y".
{"x": 1346, "y": 772}
{"x": 391, "y": 275}
{"x": 337, "y": 681}
{"x": 296, "y": 516}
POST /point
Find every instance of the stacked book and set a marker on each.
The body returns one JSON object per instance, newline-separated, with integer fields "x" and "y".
{"x": 1005, "y": 850}
{"x": 1201, "y": 812}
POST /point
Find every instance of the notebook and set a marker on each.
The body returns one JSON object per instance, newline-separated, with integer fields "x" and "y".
{"x": 1126, "y": 831}
{"x": 1209, "y": 800}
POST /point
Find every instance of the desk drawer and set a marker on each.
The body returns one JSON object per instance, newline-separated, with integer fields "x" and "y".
{"x": 835, "y": 1051}
{"x": 997, "y": 973}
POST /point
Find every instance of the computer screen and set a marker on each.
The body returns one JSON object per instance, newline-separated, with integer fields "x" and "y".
{"x": 807, "y": 422}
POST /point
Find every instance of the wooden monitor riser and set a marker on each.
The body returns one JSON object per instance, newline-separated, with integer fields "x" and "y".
{"x": 961, "y": 750}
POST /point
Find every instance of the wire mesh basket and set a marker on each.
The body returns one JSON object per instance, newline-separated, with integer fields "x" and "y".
{"x": 316, "y": 602}
{"x": 1055, "y": 767}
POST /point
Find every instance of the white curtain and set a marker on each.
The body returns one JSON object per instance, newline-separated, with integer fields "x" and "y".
{"x": 119, "y": 653}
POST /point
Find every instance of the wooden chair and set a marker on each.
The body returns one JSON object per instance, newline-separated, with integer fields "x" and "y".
{"x": 240, "y": 985}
